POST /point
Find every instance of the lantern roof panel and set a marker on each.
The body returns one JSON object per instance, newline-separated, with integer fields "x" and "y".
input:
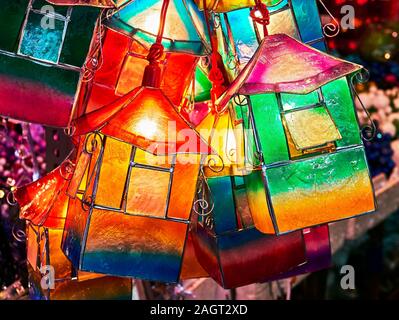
{"x": 282, "y": 64}
{"x": 44, "y": 201}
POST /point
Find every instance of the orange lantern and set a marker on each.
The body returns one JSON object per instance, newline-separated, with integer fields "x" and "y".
{"x": 133, "y": 188}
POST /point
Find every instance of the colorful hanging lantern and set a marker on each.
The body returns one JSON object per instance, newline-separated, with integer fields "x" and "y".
{"x": 138, "y": 225}
{"x": 40, "y": 67}
{"x": 226, "y": 242}
{"x": 302, "y": 115}
{"x": 184, "y": 29}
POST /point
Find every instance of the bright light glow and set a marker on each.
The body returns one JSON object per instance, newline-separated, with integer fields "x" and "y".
{"x": 146, "y": 127}
{"x": 387, "y": 56}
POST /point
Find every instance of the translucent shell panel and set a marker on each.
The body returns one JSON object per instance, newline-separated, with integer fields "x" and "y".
{"x": 148, "y": 192}
{"x": 311, "y": 128}
{"x": 191, "y": 268}
{"x": 104, "y": 288}
{"x": 224, "y": 213}
{"x": 308, "y": 19}
{"x": 202, "y": 85}
{"x": 339, "y": 102}
{"x": 32, "y": 246}
{"x": 318, "y": 252}
{"x": 228, "y": 142}
{"x": 281, "y": 22}
{"x": 113, "y": 173}
{"x": 78, "y": 35}
{"x": 41, "y": 43}
{"x": 183, "y": 187}
{"x": 257, "y": 201}
{"x": 75, "y": 225}
{"x": 264, "y": 255}
{"x": 61, "y": 264}
{"x": 38, "y": 198}
{"x": 244, "y": 35}
{"x": 294, "y": 101}
{"x": 269, "y": 128}
{"x": 34, "y": 93}
{"x": 146, "y": 158}
{"x": 142, "y": 247}
{"x": 321, "y": 189}
{"x": 79, "y": 178}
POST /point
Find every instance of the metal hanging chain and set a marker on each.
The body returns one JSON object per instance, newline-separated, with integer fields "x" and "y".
{"x": 368, "y": 131}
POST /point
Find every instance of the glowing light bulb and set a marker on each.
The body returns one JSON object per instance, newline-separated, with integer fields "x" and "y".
{"x": 387, "y": 56}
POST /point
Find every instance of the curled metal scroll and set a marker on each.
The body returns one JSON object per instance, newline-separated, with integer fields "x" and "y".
{"x": 201, "y": 206}
{"x": 330, "y": 29}
{"x": 18, "y": 234}
{"x": 368, "y": 131}
{"x": 11, "y": 199}
{"x": 213, "y": 165}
